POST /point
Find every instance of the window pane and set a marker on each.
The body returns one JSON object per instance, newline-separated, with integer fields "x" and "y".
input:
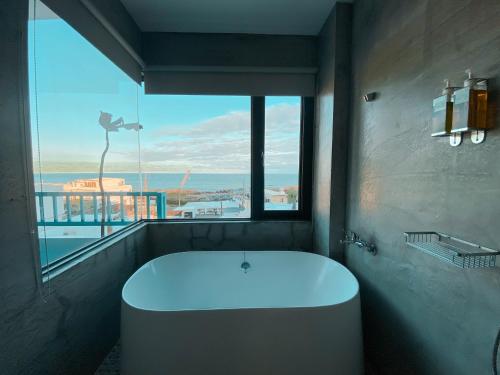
{"x": 282, "y": 153}
{"x": 197, "y": 150}
{"x": 77, "y": 97}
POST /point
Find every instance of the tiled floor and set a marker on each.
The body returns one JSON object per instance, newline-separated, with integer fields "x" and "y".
{"x": 111, "y": 364}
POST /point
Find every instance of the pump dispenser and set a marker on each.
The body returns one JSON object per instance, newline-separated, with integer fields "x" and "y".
{"x": 470, "y": 106}
{"x": 442, "y": 114}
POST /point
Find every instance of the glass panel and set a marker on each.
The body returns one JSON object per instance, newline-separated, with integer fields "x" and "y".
{"x": 197, "y": 151}
{"x": 84, "y": 118}
{"x": 282, "y": 153}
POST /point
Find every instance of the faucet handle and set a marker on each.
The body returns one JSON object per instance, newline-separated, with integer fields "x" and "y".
{"x": 349, "y": 237}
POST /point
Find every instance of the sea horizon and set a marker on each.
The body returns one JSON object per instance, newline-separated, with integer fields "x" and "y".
{"x": 208, "y": 182}
{"x": 153, "y": 172}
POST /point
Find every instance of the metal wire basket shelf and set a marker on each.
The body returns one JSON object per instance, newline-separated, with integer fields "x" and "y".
{"x": 452, "y": 250}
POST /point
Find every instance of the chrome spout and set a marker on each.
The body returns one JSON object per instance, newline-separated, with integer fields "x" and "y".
{"x": 353, "y": 238}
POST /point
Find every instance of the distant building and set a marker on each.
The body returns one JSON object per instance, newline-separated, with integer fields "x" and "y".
{"x": 273, "y": 196}
{"x": 85, "y": 185}
{"x": 133, "y": 206}
{"x": 91, "y": 185}
{"x": 193, "y": 210}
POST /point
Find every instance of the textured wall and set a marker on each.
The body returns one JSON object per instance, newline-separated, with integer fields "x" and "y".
{"x": 331, "y": 124}
{"x": 69, "y": 328}
{"x": 166, "y": 238}
{"x": 422, "y": 316}
{"x": 229, "y": 50}
{"x": 229, "y": 64}
{"x": 72, "y": 331}
{"x": 119, "y": 18}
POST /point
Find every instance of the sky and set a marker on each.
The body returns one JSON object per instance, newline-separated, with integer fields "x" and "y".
{"x": 71, "y": 82}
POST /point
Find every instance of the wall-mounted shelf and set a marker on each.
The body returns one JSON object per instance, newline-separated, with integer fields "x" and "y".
{"x": 452, "y": 250}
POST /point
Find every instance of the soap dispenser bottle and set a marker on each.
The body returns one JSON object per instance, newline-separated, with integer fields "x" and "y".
{"x": 470, "y": 105}
{"x": 442, "y": 113}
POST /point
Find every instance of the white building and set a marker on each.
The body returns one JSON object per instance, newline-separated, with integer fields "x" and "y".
{"x": 274, "y": 196}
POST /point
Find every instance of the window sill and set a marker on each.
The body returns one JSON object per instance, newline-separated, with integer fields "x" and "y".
{"x": 63, "y": 264}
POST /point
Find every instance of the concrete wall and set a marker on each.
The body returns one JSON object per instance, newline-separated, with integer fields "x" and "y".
{"x": 331, "y": 124}
{"x": 71, "y": 330}
{"x": 422, "y": 316}
{"x": 120, "y": 20}
{"x": 241, "y": 51}
{"x": 229, "y": 64}
{"x": 172, "y": 237}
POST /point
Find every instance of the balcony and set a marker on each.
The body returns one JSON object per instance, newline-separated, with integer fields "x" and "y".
{"x": 79, "y": 209}
{"x": 70, "y": 221}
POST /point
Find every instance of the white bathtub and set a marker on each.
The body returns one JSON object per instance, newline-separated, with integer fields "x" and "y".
{"x": 199, "y": 313}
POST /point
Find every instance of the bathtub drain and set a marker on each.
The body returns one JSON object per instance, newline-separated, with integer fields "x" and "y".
{"x": 245, "y": 265}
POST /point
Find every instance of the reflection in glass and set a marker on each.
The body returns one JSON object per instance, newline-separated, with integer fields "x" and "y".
{"x": 74, "y": 90}
{"x": 282, "y": 153}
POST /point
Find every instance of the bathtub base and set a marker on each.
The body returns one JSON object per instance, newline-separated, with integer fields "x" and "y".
{"x": 297, "y": 341}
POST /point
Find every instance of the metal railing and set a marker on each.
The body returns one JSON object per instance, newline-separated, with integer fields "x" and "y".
{"x": 118, "y": 208}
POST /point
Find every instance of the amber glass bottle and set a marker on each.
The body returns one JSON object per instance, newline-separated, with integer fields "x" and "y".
{"x": 470, "y": 106}
{"x": 442, "y": 112}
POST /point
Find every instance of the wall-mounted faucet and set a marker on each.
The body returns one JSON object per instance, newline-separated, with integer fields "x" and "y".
{"x": 353, "y": 238}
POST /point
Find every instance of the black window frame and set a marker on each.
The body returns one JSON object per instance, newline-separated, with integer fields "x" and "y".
{"x": 303, "y": 212}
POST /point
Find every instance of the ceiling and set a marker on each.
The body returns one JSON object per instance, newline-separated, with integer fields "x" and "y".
{"x": 286, "y": 17}
{"x": 41, "y": 10}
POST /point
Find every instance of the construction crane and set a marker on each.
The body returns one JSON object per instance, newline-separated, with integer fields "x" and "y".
{"x": 181, "y": 185}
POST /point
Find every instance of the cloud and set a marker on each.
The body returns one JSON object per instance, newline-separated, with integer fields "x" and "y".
{"x": 282, "y": 118}
{"x": 232, "y": 123}
{"x": 222, "y": 143}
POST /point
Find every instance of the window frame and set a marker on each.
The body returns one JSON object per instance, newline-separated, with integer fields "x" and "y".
{"x": 257, "y": 140}
{"x": 258, "y": 125}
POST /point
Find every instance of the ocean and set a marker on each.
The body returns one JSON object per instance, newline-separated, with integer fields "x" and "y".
{"x": 159, "y": 181}
{"x": 81, "y": 235}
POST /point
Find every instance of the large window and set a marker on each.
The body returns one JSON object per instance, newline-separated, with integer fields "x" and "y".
{"x": 228, "y": 157}
{"x": 197, "y": 151}
{"x": 85, "y": 140}
{"x": 105, "y": 155}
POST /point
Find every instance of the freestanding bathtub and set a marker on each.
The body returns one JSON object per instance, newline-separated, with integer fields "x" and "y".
{"x": 200, "y": 313}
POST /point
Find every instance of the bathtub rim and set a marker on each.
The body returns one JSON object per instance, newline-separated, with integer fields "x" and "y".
{"x": 355, "y": 296}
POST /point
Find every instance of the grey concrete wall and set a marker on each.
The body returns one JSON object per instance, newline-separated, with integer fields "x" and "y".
{"x": 234, "y": 83}
{"x": 331, "y": 124}
{"x": 71, "y": 330}
{"x": 229, "y": 64}
{"x": 422, "y": 316}
{"x": 77, "y": 322}
{"x": 119, "y": 18}
{"x": 229, "y": 50}
{"x": 172, "y": 237}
